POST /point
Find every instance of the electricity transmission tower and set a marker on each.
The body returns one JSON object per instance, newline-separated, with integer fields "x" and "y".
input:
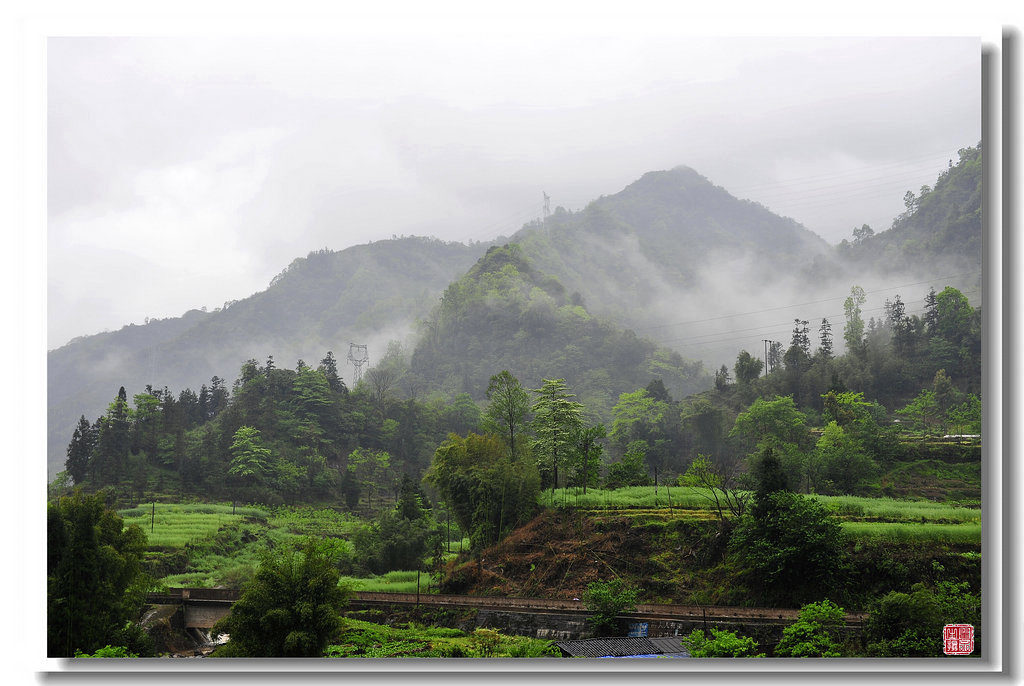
{"x": 547, "y": 205}
{"x": 358, "y": 356}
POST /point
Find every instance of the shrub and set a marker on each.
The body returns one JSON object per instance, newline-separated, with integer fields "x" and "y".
{"x": 814, "y": 633}
{"x": 485, "y": 641}
{"x": 910, "y": 624}
{"x": 289, "y": 609}
{"x": 790, "y": 538}
{"x": 108, "y": 651}
{"x": 721, "y": 644}
{"x": 607, "y": 600}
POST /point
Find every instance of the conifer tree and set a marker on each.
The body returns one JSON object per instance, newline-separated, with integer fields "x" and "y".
{"x": 83, "y": 441}
{"x": 557, "y": 421}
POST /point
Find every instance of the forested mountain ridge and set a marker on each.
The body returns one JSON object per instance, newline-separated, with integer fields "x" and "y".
{"x": 941, "y": 225}
{"x": 507, "y": 314}
{"x": 366, "y": 293}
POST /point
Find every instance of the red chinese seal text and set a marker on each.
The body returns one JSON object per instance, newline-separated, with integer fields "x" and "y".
{"x": 958, "y": 639}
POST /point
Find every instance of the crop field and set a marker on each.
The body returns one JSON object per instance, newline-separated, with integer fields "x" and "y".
{"x": 320, "y": 522}
{"x": 906, "y": 532}
{"x": 887, "y": 509}
{"x": 224, "y": 542}
{"x": 392, "y": 582}
{"x": 174, "y": 526}
{"x": 684, "y": 497}
{"x": 702, "y": 500}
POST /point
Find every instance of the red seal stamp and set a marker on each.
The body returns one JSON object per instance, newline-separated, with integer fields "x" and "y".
{"x": 958, "y": 639}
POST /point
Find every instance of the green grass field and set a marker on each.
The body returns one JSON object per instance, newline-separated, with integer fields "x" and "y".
{"x": 392, "y": 582}
{"x": 684, "y": 497}
{"x": 887, "y": 509}
{"x": 174, "y": 526}
{"x": 700, "y": 499}
{"x": 905, "y": 532}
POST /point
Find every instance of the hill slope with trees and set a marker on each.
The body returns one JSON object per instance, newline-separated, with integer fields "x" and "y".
{"x": 367, "y": 294}
{"x": 507, "y": 314}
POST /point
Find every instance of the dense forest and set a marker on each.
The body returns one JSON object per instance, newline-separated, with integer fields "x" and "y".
{"x": 288, "y": 435}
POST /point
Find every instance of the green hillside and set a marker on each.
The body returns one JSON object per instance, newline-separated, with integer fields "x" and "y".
{"x": 507, "y": 314}
{"x": 365, "y": 294}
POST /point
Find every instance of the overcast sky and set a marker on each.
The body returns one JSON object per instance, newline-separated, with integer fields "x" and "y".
{"x": 185, "y": 172}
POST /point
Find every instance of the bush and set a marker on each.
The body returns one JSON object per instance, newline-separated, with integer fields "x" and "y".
{"x": 393, "y": 542}
{"x": 814, "y": 633}
{"x": 289, "y": 609}
{"x": 485, "y": 641}
{"x": 792, "y": 549}
{"x": 721, "y": 644}
{"x": 108, "y": 651}
{"x": 607, "y": 600}
{"x": 910, "y": 624}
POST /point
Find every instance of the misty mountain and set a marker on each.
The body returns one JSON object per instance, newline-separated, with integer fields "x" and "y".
{"x": 364, "y": 294}
{"x": 637, "y": 285}
{"x": 673, "y": 247}
{"x": 507, "y": 314}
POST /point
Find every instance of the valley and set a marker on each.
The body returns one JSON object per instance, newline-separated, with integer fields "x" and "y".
{"x": 528, "y": 425}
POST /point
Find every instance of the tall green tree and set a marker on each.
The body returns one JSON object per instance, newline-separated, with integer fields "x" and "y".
{"x": 83, "y": 442}
{"x": 94, "y": 576}
{"x": 778, "y": 419}
{"x": 329, "y": 368}
{"x": 506, "y": 412}
{"x": 251, "y": 461}
{"x": 845, "y": 466}
{"x": 825, "y": 339}
{"x": 369, "y": 467}
{"x": 853, "y": 332}
{"x": 588, "y": 448}
{"x": 487, "y": 490}
{"x": 557, "y": 420}
{"x": 953, "y": 315}
{"x": 923, "y": 411}
{"x": 747, "y": 368}
{"x": 113, "y": 441}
